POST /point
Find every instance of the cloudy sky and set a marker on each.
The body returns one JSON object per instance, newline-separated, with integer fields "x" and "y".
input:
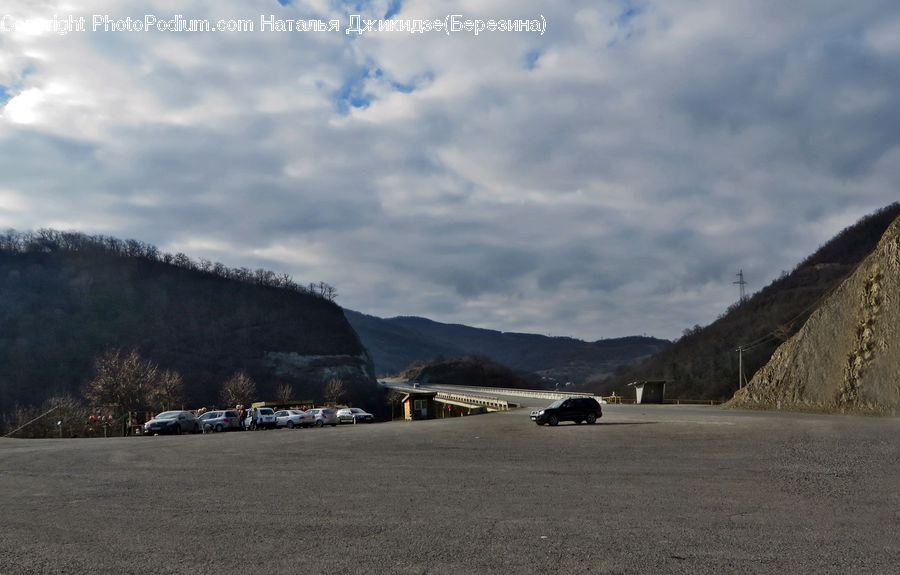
{"x": 607, "y": 177}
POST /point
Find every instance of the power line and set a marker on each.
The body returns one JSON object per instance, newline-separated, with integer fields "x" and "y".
{"x": 52, "y": 409}
{"x": 742, "y": 380}
{"x": 774, "y": 334}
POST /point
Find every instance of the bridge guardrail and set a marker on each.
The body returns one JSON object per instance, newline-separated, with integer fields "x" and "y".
{"x": 544, "y": 394}
{"x": 490, "y": 402}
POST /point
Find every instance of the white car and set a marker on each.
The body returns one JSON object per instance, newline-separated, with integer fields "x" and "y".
{"x": 354, "y": 415}
{"x": 319, "y": 416}
{"x": 289, "y": 418}
{"x": 261, "y": 418}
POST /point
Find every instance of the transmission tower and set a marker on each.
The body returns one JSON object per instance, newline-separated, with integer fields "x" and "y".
{"x": 741, "y": 283}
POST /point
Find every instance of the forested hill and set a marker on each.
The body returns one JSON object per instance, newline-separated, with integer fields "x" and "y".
{"x": 704, "y": 363}
{"x": 66, "y": 298}
{"x": 396, "y": 343}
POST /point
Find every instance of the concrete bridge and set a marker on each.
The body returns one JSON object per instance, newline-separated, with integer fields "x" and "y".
{"x": 468, "y": 399}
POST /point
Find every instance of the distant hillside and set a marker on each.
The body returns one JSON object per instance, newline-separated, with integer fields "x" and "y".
{"x": 67, "y": 298}
{"x": 398, "y": 342}
{"x": 704, "y": 363}
{"x": 846, "y": 356}
{"x": 393, "y": 346}
{"x": 471, "y": 370}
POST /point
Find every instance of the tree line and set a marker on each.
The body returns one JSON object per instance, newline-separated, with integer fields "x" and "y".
{"x": 123, "y": 384}
{"x": 50, "y": 240}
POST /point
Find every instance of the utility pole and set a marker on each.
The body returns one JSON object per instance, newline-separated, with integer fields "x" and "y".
{"x": 741, "y": 283}
{"x": 742, "y": 381}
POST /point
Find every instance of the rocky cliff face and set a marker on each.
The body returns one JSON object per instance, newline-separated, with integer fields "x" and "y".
{"x": 847, "y": 355}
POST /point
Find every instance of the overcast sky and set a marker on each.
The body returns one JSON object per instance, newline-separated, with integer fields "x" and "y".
{"x": 608, "y": 177}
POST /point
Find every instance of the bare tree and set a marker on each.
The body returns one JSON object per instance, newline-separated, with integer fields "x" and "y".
{"x": 123, "y": 380}
{"x": 394, "y": 397}
{"x": 334, "y": 391}
{"x": 285, "y": 393}
{"x": 239, "y": 390}
{"x": 323, "y": 290}
{"x": 166, "y": 394}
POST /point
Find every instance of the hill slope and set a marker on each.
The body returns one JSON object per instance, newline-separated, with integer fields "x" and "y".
{"x": 398, "y": 342}
{"x": 66, "y": 298}
{"x": 704, "y": 363}
{"x": 478, "y": 371}
{"x": 395, "y": 347}
{"x": 847, "y": 355}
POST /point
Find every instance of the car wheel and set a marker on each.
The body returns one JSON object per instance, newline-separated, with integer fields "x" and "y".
{"x": 334, "y": 425}
{"x": 553, "y": 420}
{"x": 319, "y": 423}
{"x": 578, "y": 422}
{"x": 591, "y": 418}
{"x": 219, "y": 428}
{"x": 176, "y": 430}
{"x": 290, "y": 425}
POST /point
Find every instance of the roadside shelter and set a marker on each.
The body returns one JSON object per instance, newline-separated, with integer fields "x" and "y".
{"x": 652, "y": 391}
{"x": 419, "y": 404}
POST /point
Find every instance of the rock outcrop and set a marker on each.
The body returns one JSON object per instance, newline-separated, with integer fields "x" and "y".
{"x": 846, "y": 358}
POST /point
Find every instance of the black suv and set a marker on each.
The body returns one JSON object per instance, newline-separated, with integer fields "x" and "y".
{"x": 575, "y": 409}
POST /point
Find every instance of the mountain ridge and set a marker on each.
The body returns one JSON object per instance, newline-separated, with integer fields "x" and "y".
{"x": 559, "y": 359}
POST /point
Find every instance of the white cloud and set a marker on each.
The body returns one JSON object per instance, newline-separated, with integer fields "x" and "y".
{"x": 607, "y": 178}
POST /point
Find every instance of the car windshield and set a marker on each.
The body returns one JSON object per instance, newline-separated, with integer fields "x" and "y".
{"x": 168, "y": 415}
{"x": 356, "y": 410}
{"x": 557, "y": 403}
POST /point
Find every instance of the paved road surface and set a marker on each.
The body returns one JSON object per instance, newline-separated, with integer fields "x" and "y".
{"x": 650, "y": 489}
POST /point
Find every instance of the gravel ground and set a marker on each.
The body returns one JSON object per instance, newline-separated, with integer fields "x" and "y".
{"x": 649, "y": 489}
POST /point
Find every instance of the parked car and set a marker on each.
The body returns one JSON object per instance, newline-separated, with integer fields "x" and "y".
{"x": 261, "y": 418}
{"x": 575, "y": 409}
{"x": 319, "y": 416}
{"x": 220, "y": 420}
{"x": 354, "y": 415}
{"x": 289, "y": 418}
{"x": 172, "y": 422}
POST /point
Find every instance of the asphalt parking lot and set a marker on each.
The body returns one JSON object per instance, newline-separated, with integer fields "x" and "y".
{"x": 649, "y": 489}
